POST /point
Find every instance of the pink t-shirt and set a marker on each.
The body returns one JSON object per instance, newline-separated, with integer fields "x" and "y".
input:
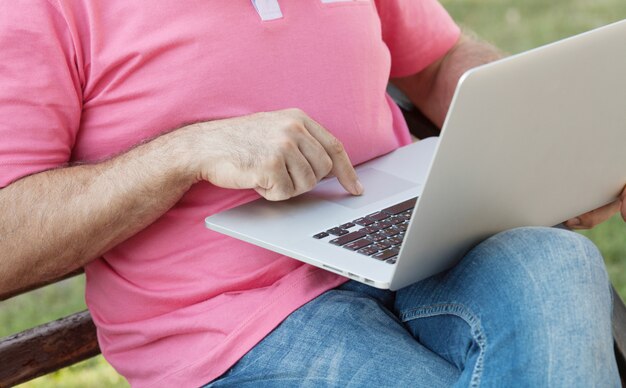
{"x": 81, "y": 81}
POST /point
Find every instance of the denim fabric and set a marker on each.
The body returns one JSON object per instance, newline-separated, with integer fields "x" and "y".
{"x": 527, "y": 307}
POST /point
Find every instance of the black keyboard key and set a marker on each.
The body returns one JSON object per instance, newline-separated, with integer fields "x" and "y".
{"x": 358, "y": 244}
{"x": 401, "y": 207}
{"x": 347, "y": 225}
{"x": 388, "y": 254}
{"x": 369, "y": 229}
{"x": 376, "y": 237}
{"x": 383, "y": 224}
{"x": 395, "y": 240}
{"x": 378, "y": 216}
{"x": 368, "y": 250}
{"x": 337, "y": 231}
{"x": 390, "y": 232}
{"x": 392, "y": 260}
{"x": 406, "y": 215}
{"x": 363, "y": 221}
{"x": 403, "y": 227}
{"x": 321, "y": 235}
{"x": 395, "y": 220}
{"x": 347, "y": 238}
{"x": 382, "y": 245}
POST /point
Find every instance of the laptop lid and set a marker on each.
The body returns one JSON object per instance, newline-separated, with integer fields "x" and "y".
{"x": 533, "y": 139}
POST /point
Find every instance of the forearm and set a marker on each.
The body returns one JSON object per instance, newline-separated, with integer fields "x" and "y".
{"x": 432, "y": 89}
{"x": 58, "y": 220}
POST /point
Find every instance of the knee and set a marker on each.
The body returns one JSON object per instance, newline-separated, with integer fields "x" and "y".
{"x": 543, "y": 266}
{"x": 549, "y": 288}
{"x": 537, "y": 252}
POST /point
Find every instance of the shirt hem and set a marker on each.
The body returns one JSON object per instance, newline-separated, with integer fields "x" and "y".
{"x": 252, "y": 331}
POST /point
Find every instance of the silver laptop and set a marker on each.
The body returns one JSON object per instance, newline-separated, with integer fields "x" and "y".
{"x": 530, "y": 140}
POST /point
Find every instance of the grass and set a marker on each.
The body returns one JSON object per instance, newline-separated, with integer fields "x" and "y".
{"x": 513, "y": 26}
{"x": 610, "y": 237}
{"x": 516, "y": 26}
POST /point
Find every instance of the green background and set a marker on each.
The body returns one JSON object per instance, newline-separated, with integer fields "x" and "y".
{"x": 513, "y": 26}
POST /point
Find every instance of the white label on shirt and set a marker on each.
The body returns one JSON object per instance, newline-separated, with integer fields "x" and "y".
{"x": 268, "y": 9}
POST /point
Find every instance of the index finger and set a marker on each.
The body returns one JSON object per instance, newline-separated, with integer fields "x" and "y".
{"x": 342, "y": 167}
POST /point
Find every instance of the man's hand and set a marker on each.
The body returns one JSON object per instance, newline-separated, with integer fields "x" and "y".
{"x": 598, "y": 216}
{"x": 279, "y": 154}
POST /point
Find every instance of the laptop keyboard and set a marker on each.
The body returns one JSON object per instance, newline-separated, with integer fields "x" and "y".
{"x": 378, "y": 235}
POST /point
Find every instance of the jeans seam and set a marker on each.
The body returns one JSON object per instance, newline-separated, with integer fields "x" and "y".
{"x": 466, "y": 315}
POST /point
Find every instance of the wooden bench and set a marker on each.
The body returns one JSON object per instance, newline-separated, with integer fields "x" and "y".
{"x": 66, "y": 341}
{"x": 48, "y": 347}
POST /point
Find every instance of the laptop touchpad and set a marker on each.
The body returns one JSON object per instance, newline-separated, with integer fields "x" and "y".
{"x": 377, "y": 184}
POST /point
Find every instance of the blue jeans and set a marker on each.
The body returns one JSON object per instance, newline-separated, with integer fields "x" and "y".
{"x": 527, "y": 307}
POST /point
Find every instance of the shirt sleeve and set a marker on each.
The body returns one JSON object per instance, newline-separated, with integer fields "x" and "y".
{"x": 40, "y": 92}
{"x": 417, "y": 33}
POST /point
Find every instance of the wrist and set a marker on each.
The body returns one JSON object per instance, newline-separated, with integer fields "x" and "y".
{"x": 196, "y": 149}
{"x": 175, "y": 155}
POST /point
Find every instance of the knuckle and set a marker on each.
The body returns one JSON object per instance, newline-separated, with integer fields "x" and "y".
{"x": 335, "y": 146}
{"x": 310, "y": 180}
{"x": 275, "y": 162}
{"x": 261, "y": 181}
{"x": 295, "y": 112}
{"x": 327, "y": 165}
{"x": 292, "y": 126}
{"x": 284, "y": 194}
{"x": 286, "y": 146}
{"x": 299, "y": 128}
{"x": 277, "y": 194}
{"x": 271, "y": 196}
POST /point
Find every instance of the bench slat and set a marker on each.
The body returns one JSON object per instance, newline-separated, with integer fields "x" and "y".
{"x": 47, "y": 348}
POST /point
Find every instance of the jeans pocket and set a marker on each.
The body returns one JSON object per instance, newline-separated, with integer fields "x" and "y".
{"x": 453, "y": 331}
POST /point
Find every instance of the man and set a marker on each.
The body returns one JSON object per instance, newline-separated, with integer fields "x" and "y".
{"x": 96, "y": 173}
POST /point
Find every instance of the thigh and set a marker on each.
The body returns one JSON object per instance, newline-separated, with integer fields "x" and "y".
{"x": 344, "y": 338}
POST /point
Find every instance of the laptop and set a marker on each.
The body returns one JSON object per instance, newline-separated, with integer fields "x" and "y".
{"x": 530, "y": 140}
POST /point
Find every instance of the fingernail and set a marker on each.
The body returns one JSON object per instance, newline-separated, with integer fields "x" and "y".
{"x": 358, "y": 187}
